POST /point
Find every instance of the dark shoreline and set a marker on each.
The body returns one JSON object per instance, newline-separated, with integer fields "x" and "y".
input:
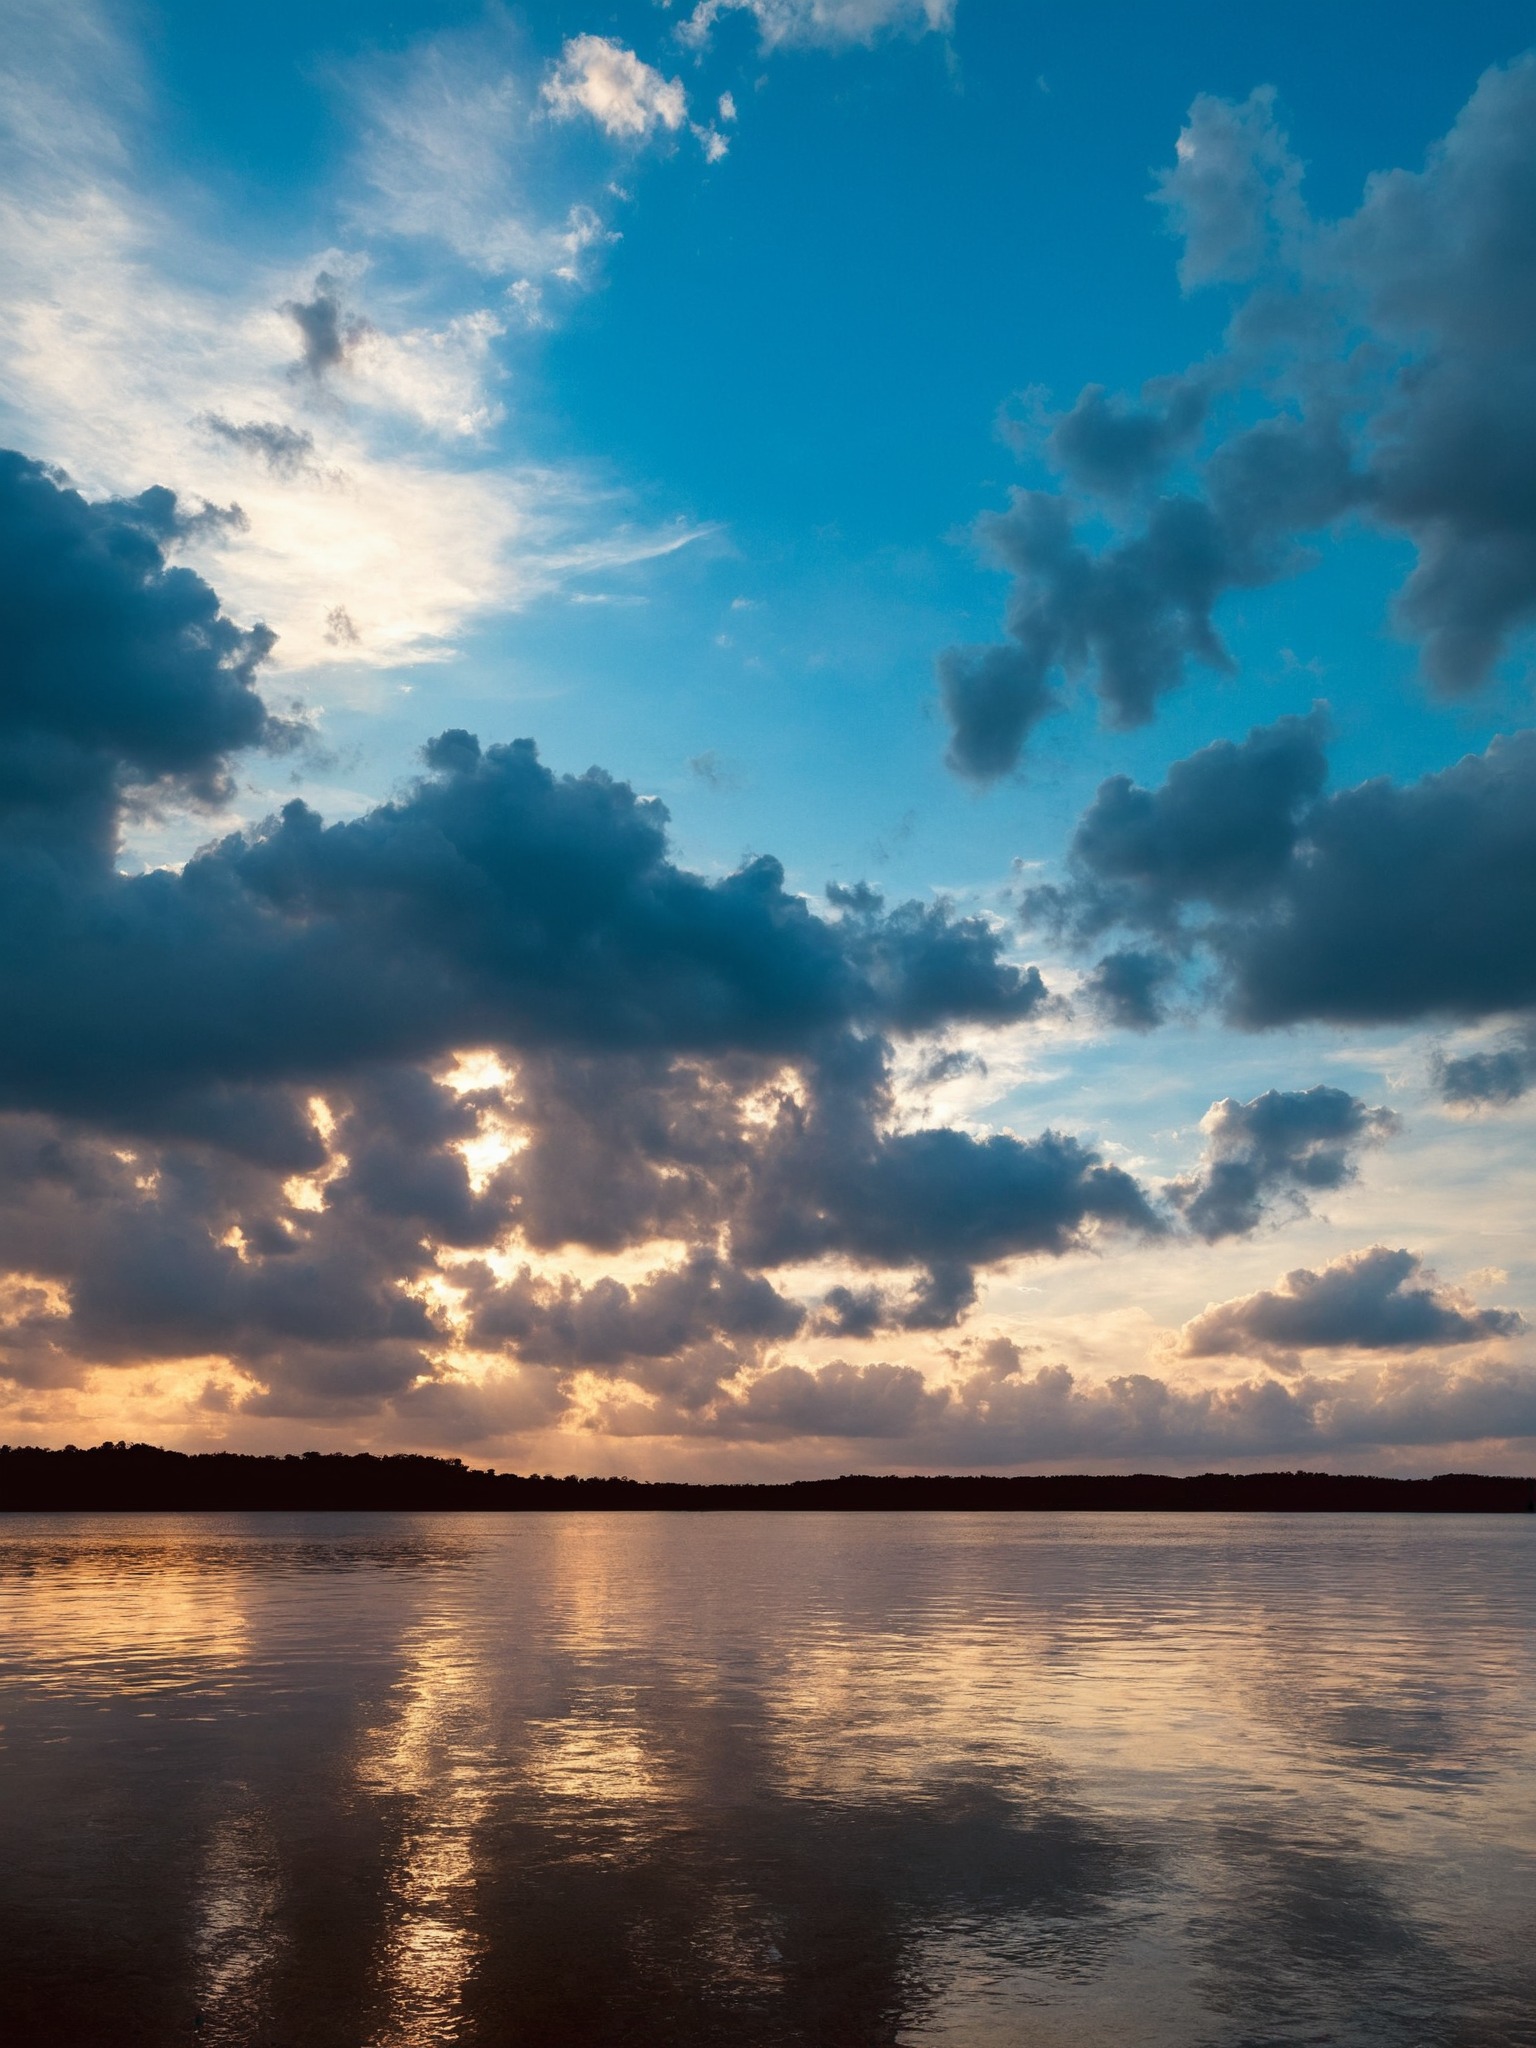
{"x": 140, "y": 1478}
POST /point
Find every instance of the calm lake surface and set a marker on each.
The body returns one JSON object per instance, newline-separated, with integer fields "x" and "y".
{"x": 387, "y": 1780}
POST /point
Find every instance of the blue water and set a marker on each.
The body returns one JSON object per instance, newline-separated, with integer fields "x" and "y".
{"x": 386, "y": 1780}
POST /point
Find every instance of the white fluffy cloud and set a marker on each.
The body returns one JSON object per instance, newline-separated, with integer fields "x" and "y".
{"x": 625, "y": 96}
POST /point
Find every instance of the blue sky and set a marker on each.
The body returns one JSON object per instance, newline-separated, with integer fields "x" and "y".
{"x": 653, "y": 386}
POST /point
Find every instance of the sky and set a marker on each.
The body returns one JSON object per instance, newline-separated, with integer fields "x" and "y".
{"x": 770, "y": 740}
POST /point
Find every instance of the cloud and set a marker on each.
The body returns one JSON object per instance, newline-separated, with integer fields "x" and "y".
{"x": 1126, "y": 988}
{"x": 1109, "y": 447}
{"x": 1376, "y": 1300}
{"x": 627, "y": 98}
{"x": 610, "y": 1324}
{"x": 996, "y": 1412}
{"x": 825, "y": 23}
{"x": 227, "y": 1087}
{"x": 1051, "y": 1416}
{"x": 120, "y": 670}
{"x": 1222, "y": 830}
{"x": 993, "y": 697}
{"x": 1380, "y": 903}
{"x": 1280, "y": 1148}
{"x": 1135, "y": 613}
{"x": 1446, "y": 261}
{"x": 1399, "y": 902}
{"x": 326, "y": 338}
{"x": 836, "y": 1400}
{"x": 1389, "y": 355}
{"x": 283, "y": 449}
{"x": 452, "y": 153}
{"x": 1233, "y": 190}
{"x": 366, "y": 487}
{"x": 1500, "y": 1074}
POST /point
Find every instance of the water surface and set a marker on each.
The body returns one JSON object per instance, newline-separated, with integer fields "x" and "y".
{"x": 385, "y": 1781}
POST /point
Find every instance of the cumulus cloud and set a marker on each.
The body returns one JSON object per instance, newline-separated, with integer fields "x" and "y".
{"x": 1278, "y": 1149}
{"x": 1134, "y": 614}
{"x": 993, "y": 697}
{"x": 228, "y": 1089}
{"x": 836, "y": 1400}
{"x": 120, "y": 669}
{"x": 1112, "y": 448}
{"x": 627, "y": 98}
{"x": 998, "y": 1409}
{"x": 1376, "y": 1300}
{"x": 1429, "y": 431}
{"x": 1126, "y": 988}
{"x": 1233, "y": 191}
{"x": 1222, "y": 830}
{"x": 1379, "y": 903}
{"x": 1052, "y": 1416}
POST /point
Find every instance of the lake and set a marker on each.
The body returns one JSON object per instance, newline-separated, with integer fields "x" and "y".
{"x": 386, "y": 1780}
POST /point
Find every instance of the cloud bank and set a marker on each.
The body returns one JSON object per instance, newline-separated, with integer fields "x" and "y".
{"x": 233, "y": 1120}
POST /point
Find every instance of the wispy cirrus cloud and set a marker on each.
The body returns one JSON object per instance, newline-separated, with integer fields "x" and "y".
{"x": 359, "y": 438}
{"x": 822, "y": 23}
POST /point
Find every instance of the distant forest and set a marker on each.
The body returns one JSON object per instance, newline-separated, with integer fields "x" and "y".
{"x": 144, "y": 1478}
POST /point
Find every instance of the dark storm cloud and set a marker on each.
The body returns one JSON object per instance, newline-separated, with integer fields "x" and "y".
{"x": 1381, "y": 903}
{"x": 1221, "y": 830}
{"x": 1277, "y": 1150}
{"x": 1399, "y": 902}
{"x": 120, "y": 671}
{"x": 609, "y": 1324}
{"x": 701, "y": 1061}
{"x": 1376, "y": 1300}
{"x": 1428, "y": 430}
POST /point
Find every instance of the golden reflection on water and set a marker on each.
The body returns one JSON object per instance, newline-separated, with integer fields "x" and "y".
{"x": 802, "y": 1779}
{"x": 434, "y": 1757}
{"x": 123, "y": 1612}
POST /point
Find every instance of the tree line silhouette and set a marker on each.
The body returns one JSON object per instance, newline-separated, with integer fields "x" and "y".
{"x": 145, "y": 1478}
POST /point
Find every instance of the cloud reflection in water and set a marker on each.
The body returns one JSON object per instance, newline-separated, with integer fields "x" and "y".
{"x": 752, "y": 1779}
